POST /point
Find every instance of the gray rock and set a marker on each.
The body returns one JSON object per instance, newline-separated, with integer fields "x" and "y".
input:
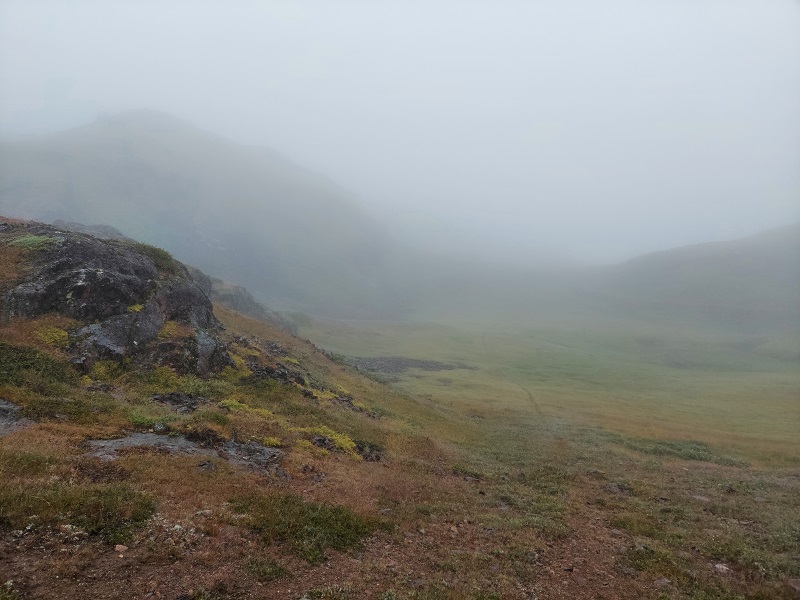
{"x": 125, "y": 293}
{"x": 11, "y": 418}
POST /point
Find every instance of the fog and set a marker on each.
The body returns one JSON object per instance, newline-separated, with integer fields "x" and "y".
{"x": 592, "y": 131}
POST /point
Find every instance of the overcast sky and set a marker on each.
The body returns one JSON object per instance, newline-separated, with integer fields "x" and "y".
{"x": 598, "y": 129}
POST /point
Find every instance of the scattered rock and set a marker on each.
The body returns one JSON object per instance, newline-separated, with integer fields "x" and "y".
{"x": 322, "y": 441}
{"x": 120, "y": 548}
{"x": 280, "y": 373}
{"x": 347, "y": 402}
{"x": 109, "y": 449}
{"x": 181, "y": 403}
{"x": 251, "y": 455}
{"x": 618, "y": 533}
{"x": 620, "y": 488}
{"x": 722, "y": 569}
{"x": 700, "y": 498}
{"x": 662, "y": 583}
{"x": 795, "y": 585}
{"x": 100, "y": 386}
{"x": 11, "y": 418}
{"x": 369, "y": 452}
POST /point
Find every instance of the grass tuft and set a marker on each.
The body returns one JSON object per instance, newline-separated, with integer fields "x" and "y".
{"x": 110, "y": 511}
{"x": 265, "y": 569}
{"x": 307, "y": 528}
{"x": 162, "y": 259}
{"x": 18, "y": 365}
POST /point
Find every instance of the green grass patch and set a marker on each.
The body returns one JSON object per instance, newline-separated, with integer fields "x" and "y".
{"x": 265, "y": 569}
{"x": 110, "y": 511}
{"x": 74, "y": 410}
{"x": 20, "y": 366}
{"x": 682, "y": 449}
{"x": 162, "y": 259}
{"x": 33, "y": 242}
{"x": 21, "y": 463}
{"x": 331, "y": 592}
{"x": 307, "y": 528}
{"x": 8, "y": 592}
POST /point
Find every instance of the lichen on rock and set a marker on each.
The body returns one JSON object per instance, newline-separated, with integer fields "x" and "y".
{"x": 97, "y": 281}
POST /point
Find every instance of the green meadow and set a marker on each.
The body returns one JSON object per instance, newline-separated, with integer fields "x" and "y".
{"x": 683, "y": 441}
{"x": 735, "y": 393}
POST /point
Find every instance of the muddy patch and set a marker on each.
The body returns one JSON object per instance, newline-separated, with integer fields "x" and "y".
{"x": 11, "y": 418}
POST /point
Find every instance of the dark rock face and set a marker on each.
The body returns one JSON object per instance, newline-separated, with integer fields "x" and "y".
{"x": 123, "y": 294}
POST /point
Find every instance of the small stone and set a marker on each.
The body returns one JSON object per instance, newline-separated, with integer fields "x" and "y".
{"x": 722, "y": 569}
{"x": 454, "y": 529}
{"x": 794, "y": 584}
{"x": 204, "y": 513}
{"x": 618, "y": 533}
{"x": 120, "y": 548}
{"x": 661, "y": 583}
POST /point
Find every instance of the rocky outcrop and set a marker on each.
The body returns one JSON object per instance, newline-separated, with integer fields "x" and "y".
{"x": 124, "y": 292}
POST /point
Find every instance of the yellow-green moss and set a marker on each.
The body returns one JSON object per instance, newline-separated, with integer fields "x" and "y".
{"x": 340, "y": 440}
{"x": 309, "y": 447}
{"x": 135, "y": 307}
{"x": 52, "y": 336}
{"x": 105, "y": 370}
{"x": 233, "y": 404}
{"x": 173, "y": 329}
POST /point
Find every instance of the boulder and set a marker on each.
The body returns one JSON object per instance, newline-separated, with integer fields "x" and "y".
{"x": 124, "y": 292}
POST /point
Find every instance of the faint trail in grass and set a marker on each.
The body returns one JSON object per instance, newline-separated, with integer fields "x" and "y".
{"x": 504, "y": 376}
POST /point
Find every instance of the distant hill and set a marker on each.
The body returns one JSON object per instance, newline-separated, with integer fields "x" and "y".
{"x": 750, "y": 280}
{"x": 748, "y": 285}
{"x": 244, "y": 214}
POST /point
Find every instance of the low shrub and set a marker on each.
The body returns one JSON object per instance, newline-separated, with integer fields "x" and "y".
{"x": 265, "y": 569}
{"x": 307, "y": 528}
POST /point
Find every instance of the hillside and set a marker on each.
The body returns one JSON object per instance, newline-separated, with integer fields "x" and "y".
{"x": 751, "y": 281}
{"x": 152, "y": 445}
{"x": 210, "y": 202}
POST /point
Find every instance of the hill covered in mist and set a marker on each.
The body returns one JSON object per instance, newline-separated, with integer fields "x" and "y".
{"x": 298, "y": 242}
{"x": 749, "y": 285}
{"x": 243, "y": 213}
